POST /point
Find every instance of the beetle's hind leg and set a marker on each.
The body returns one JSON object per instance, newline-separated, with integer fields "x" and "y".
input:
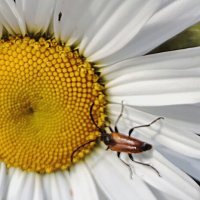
{"x": 148, "y": 165}
{"x": 131, "y": 170}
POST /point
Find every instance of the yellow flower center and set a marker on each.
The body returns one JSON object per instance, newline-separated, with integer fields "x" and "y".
{"x": 46, "y": 91}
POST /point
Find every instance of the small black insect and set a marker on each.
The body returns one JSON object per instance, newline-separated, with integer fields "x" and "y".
{"x": 59, "y": 16}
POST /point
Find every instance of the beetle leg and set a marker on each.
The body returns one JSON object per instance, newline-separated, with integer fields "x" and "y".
{"x": 120, "y": 115}
{"x": 131, "y": 172}
{"x": 118, "y": 155}
{"x": 111, "y": 130}
{"x": 148, "y": 165}
{"x": 80, "y": 147}
{"x": 146, "y": 125}
{"x": 130, "y": 131}
{"x": 116, "y": 129}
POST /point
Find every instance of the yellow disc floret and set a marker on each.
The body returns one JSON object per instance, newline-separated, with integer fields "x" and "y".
{"x": 46, "y": 93}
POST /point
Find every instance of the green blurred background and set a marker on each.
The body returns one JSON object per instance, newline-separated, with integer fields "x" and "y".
{"x": 189, "y": 38}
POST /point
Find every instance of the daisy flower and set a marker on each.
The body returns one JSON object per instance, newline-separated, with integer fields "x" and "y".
{"x": 65, "y": 68}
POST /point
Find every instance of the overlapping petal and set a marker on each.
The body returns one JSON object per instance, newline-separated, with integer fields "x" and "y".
{"x": 37, "y": 15}
{"x": 172, "y": 181}
{"x": 16, "y": 184}
{"x": 153, "y": 80}
{"x": 187, "y": 164}
{"x": 3, "y": 180}
{"x": 173, "y": 18}
{"x": 89, "y": 26}
{"x": 185, "y": 116}
{"x": 59, "y": 186}
{"x": 113, "y": 177}
{"x": 82, "y": 183}
{"x": 22, "y": 16}
{"x": 27, "y": 188}
{"x": 122, "y": 25}
{"x": 11, "y": 17}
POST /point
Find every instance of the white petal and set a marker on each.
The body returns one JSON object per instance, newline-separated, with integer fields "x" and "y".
{"x": 96, "y": 19}
{"x": 54, "y": 189}
{"x": 185, "y": 116}
{"x": 70, "y": 23}
{"x": 1, "y": 29}
{"x": 67, "y": 17}
{"x": 166, "y": 23}
{"x": 64, "y": 185}
{"x": 120, "y": 28}
{"x": 12, "y": 18}
{"x": 16, "y": 185}
{"x": 23, "y": 186}
{"x": 180, "y": 59}
{"x": 39, "y": 193}
{"x": 161, "y": 195}
{"x": 188, "y": 165}
{"x": 56, "y": 186}
{"x": 166, "y": 3}
{"x": 27, "y": 189}
{"x": 162, "y": 132}
{"x": 83, "y": 185}
{"x": 46, "y": 183}
{"x": 60, "y": 188}
{"x": 3, "y": 181}
{"x": 167, "y": 81}
{"x": 170, "y": 21}
{"x": 71, "y": 27}
{"x": 57, "y": 13}
{"x": 156, "y": 79}
{"x": 113, "y": 177}
{"x": 172, "y": 181}
{"x": 37, "y": 14}
{"x": 11, "y": 172}
{"x": 161, "y": 99}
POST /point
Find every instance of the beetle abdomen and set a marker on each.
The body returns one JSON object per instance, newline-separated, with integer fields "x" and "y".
{"x": 126, "y": 144}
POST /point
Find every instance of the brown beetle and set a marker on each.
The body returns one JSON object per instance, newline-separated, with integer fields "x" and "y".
{"x": 121, "y": 143}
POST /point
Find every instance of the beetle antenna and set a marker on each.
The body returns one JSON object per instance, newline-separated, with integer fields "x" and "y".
{"x": 80, "y": 147}
{"x": 92, "y": 118}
